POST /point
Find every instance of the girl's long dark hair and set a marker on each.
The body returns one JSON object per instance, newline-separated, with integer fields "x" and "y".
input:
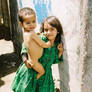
{"x": 54, "y": 22}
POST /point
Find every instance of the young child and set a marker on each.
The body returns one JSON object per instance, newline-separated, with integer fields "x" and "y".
{"x": 33, "y": 43}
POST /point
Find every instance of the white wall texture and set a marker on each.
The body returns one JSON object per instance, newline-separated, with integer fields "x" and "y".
{"x": 87, "y": 76}
{"x": 76, "y": 18}
{"x": 68, "y": 13}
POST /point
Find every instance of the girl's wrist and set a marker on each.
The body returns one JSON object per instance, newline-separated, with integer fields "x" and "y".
{"x": 60, "y": 54}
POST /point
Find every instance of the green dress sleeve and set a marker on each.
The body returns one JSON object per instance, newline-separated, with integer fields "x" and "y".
{"x": 43, "y": 37}
{"x": 57, "y": 59}
{"x": 24, "y": 49}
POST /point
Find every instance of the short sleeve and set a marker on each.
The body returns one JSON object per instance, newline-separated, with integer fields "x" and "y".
{"x": 43, "y": 37}
{"x": 24, "y": 49}
{"x": 57, "y": 59}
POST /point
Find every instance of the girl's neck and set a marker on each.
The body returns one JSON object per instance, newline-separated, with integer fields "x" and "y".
{"x": 52, "y": 42}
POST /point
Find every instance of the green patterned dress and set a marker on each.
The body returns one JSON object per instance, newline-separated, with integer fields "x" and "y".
{"x": 25, "y": 79}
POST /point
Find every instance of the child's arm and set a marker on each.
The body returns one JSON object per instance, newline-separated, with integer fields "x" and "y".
{"x": 25, "y": 60}
{"x": 39, "y": 41}
{"x": 24, "y": 57}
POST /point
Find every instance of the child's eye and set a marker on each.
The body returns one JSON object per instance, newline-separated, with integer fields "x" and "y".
{"x": 33, "y": 21}
{"x": 28, "y": 23}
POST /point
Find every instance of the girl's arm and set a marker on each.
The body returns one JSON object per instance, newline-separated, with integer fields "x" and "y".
{"x": 60, "y": 48}
{"x": 59, "y": 54}
{"x": 39, "y": 41}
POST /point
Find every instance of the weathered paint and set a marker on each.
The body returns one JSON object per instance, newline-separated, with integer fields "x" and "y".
{"x": 42, "y": 7}
{"x": 20, "y": 3}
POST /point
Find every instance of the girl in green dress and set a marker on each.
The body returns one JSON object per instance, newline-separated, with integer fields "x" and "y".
{"x": 25, "y": 78}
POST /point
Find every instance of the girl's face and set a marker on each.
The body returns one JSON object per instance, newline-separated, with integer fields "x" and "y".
{"x": 50, "y": 32}
{"x": 29, "y": 23}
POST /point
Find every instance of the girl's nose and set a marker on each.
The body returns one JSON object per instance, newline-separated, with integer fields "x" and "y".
{"x": 31, "y": 24}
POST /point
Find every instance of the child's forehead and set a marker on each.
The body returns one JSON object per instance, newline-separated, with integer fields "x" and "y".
{"x": 31, "y": 17}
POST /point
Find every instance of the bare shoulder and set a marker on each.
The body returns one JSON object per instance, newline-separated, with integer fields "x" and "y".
{"x": 32, "y": 34}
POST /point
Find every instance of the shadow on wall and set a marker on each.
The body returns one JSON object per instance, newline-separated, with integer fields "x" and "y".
{"x": 64, "y": 72}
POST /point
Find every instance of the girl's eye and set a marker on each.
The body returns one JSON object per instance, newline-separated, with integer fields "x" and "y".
{"x": 45, "y": 29}
{"x": 51, "y": 29}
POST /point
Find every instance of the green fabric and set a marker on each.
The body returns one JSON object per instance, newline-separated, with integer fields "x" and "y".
{"x": 24, "y": 49}
{"x": 25, "y": 79}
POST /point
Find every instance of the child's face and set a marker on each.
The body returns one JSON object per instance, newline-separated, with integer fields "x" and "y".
{"x": 29, "y": 23}
{"x": 51, "y": 32}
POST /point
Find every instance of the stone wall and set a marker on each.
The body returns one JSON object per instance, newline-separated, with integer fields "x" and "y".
{"x": 87, "y": 76}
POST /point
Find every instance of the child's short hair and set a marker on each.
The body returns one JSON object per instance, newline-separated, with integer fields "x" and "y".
{"x": 24, "y": 12}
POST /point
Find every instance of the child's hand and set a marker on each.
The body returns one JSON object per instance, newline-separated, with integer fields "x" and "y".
{"x": 60, "y": 48}
{"x": 27, "y": 64}
{"x": 49, "y": 44}
{"x": 45, "y": 34}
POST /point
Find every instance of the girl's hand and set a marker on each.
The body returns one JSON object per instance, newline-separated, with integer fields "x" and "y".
{"x": 60, "y": 48}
